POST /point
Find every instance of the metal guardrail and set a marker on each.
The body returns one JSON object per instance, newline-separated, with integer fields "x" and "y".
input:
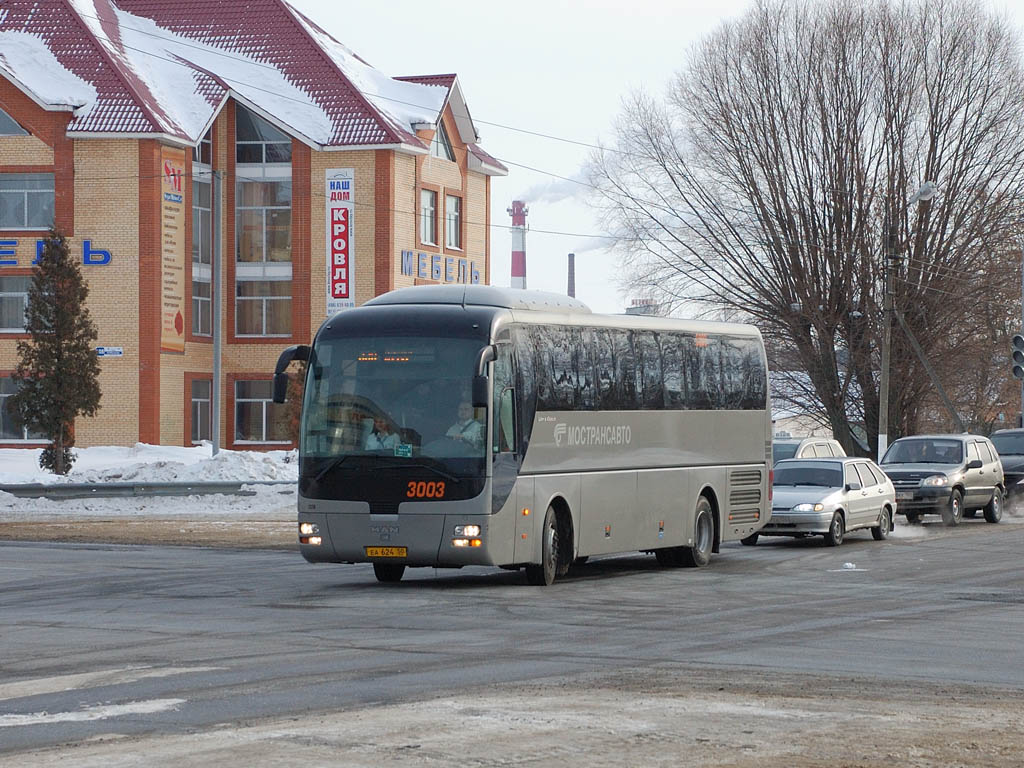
{"x": 57, "y": 491}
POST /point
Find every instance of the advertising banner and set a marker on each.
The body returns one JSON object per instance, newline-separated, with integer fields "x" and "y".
{"x": 172, "y": 253}
{"x": 340, "y": 189}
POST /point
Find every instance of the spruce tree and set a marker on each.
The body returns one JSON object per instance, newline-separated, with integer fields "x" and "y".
{"x": 58, "y": 369}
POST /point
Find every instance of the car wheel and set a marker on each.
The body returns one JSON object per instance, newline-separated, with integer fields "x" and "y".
{"x": 388, "y": 572}
{"x": 543, "y": 575}
{"x": 750, "y": 540}
{"x": 881, "y": 531}
{"x": 834, "y": 537}
{"x": 994, "y": 509}
{"x": 953, "y": 512}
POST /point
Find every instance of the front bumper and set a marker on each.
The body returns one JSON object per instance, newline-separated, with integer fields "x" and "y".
{"x": 923, "y": 499}
{"x": 789, "y": 523}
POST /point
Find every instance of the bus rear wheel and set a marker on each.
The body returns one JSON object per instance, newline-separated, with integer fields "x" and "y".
{"x": 543, "y": 575}
{"x": 388, "y": 572}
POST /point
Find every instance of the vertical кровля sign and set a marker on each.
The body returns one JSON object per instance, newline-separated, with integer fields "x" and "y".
{"x": 340, "y": 189}
{"x": 172, "y": 250}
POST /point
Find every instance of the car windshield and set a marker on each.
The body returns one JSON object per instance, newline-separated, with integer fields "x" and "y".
{"x": 825, "y": 474}
{"x": 404, "y": 400}
{"x": 782, "y": 451}
{"x": 924, "y": 451}
{"x": 1009, "y": 445}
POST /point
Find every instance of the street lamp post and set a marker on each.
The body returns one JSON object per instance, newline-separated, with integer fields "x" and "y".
{"x": 925, "y": 193}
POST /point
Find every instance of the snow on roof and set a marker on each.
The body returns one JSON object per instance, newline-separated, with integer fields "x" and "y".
{"x": 26, "y": 59}
{"x": 404, "y": 103}
{"x": 167, "y": 66}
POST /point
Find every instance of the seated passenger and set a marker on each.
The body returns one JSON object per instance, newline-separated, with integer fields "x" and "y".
{"x": 381, "y": 437}
{"x": 466, "y": 428}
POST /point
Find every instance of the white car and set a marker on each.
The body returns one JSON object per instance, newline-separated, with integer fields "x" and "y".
{"x": 829, "y": 497}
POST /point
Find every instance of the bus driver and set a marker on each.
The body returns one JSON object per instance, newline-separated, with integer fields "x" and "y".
{"x": 466, "y": 428}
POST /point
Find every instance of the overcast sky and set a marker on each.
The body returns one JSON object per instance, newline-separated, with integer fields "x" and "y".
{"x": 555, "y": 67}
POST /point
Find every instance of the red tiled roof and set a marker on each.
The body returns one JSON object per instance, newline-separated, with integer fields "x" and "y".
{"x": 170, "y": 78}
{"x": 269, "y": 32}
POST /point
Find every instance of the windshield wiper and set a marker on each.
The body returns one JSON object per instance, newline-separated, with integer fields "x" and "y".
{"x": 333, "y": 464}
{"x": 435, "y": 470}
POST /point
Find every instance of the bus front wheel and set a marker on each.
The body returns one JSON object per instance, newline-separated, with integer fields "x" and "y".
{"x": 543, "y": 575}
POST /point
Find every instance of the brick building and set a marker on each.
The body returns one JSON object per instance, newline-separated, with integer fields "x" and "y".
{"x": 337, "y": 183}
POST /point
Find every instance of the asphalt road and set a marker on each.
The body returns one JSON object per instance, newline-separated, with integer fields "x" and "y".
{"x": 104, "y": 639}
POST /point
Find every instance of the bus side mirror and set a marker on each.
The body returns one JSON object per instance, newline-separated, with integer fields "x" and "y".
{"x": 295, "y": 352}
{"x": 481, "y": 388}
{"x": 280, "y": 387}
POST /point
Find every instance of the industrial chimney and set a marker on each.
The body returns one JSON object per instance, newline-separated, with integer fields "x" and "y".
{"x": 518, "y": 213}
{"x": 571, "y": 290}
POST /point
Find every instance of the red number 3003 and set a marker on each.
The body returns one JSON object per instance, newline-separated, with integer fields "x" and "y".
{"x": 422, "y": 490}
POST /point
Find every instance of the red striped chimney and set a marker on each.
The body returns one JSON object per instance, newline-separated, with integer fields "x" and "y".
{"x": 518, "y": 213}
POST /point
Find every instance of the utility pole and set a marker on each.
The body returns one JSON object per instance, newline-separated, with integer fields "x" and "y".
{"x": 883, "y": 385}
{"x": 215, "y": 309}
{"x": 926, "y": 192}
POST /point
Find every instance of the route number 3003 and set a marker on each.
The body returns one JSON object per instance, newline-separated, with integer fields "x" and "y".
{"x": 422, "y": 490}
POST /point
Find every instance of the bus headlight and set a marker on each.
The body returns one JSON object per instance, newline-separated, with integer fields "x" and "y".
{"x": 467, "y": 530}
{"x": 307, "y": 529}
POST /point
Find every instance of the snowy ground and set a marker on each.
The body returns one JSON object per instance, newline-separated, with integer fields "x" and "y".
{"x": 155, "y": 463}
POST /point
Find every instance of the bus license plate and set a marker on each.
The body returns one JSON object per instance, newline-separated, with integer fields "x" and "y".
{"x": 386, "y": 551}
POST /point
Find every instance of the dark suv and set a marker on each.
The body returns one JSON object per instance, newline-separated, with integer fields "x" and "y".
{"x": 1009, "y": 444}
{"x": 951, "y": 475}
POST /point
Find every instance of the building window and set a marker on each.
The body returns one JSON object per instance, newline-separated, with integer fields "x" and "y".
{"x": 257, "y": 418}
{"x": 428, "y": 216}
{"x": 452, "y": 221}
{"x": 13, "y": 302}
{"x": 202, "y": 423}
{"x": 202, "y": 153}
{"x": 11, "y": 428}
{"x": 441, "y": 145}
{"x": 257, "y": 141}
{"x": 264, "y": 216}
{"x": 202, "y": 248}
{"x": 9, "y": 126}
{"x": 263, "y": 308}
{"x": 26, "y": 200}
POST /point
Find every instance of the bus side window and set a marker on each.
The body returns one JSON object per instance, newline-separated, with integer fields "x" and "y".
{"x": 504, "y": 427}
{"x": 504, "y": 398}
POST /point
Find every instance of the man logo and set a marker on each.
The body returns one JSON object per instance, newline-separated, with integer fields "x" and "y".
{"x": 559, "y": 434}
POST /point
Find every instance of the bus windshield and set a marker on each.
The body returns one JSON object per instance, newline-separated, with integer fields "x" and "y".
{"x": 404, "y": 399}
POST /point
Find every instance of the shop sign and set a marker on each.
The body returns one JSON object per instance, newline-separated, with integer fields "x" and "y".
{"x": 444, "y": 269}
{"x": 172, "y": 250}
{"x": 90, "y": 256}
{"x": 340, "y": 200}
{"x": 110, "y": 351}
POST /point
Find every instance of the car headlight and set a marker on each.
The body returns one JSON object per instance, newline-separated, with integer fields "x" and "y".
{"x": 935, "y": 480}
{"x": 808, "y": 507}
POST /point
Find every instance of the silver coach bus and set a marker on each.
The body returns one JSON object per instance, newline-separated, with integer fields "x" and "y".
{"x": 460, "y": 425}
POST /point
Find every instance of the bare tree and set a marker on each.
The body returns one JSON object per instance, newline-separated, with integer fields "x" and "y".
{"x": 773, "y": 182}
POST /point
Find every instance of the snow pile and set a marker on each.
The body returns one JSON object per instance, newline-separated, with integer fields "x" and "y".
{"x": 144, "y": 463}
{"x": 28, "y": 60}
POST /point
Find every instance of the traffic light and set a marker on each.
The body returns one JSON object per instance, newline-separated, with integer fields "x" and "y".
{"x": 1018, "y": 356}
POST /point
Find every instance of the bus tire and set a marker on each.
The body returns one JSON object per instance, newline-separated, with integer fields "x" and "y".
{"x": 388, "y": 572}
{"x": 543, "y": 575}
{"x": 699, "y": 554}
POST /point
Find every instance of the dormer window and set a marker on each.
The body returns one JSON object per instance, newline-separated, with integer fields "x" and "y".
{"x": 441, "y": 145}
{"x": 9, "y": 127}
{"x": 257, "y": 141}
